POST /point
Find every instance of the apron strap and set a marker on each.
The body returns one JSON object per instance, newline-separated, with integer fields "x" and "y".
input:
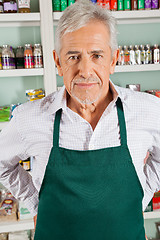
{"x": 121, "y": 120}
{"x": 122, "y": 124}
{"x": 56, "y": 128}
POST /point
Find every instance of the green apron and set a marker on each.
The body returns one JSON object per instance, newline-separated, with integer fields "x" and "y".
{"x": 90, "y": 195}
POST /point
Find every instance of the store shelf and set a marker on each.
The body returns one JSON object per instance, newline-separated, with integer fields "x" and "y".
{"x": 16, "y": 226}
{"x": 137, "y": 68}
{"x": 152, "y": 215}
{"x": 2, "y": 125}
{"x": 22, "y": 72}
{"x": 19, "y": 19}
{"x": 127, "y": 17}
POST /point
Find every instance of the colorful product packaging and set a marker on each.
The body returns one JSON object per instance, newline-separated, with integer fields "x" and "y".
{"x": 70, "y": 2}
{"x": 147, "y": 4}
{"x": 113, "y": 5}
{"x": 154, "y": 4}
{"x": 56, "y": 5}
{"x": 107, "y": 4}
{"x": 4, "y": 114}
{"x": 134, "y": 5}
{"x": 156, "y": 201}
{"x": 127, "y": 5}
{"x": 63, "y": 5}
{"x": 120, "y": 5}
{"x": 100, "y": 3}
{"x": 140, "y": 4}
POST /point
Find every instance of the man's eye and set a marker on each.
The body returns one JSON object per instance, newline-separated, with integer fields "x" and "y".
{"x": 73, "y": 57}
{"x": 97, "y": 56}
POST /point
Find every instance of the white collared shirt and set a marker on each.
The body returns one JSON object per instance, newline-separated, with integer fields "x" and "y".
{"x": 30, "y": 133}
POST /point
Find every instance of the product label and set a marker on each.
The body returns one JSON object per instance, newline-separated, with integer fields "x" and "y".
{"x": 154, "y": 4}
{"x": 28, "y": 61}
{"x": 6, "y": 62}
{"x": 147, "y": 4}
{"x": 143, "y": 58}
{"x": 38, "y": 61}
{"x": 120, "y": 5}
{"x": 1, "y": 9}
{"x": 20, "y": 62}
{"x": 113, "y": 4}
{"x": 140, "y": 4}
{"x": 10, "y": 6}
{"x": 0, "y": 62}
{"x": 132, "y": 57}
{"x": 138, "y": 56}
{"x": 24, "y": 3}
{"x": 126, "y": 58}
{"x": 156, "y": 56}
{"x": 148, "y": 57}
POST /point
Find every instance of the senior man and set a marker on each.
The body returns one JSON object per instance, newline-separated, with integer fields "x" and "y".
{"x": 89, "y": 140}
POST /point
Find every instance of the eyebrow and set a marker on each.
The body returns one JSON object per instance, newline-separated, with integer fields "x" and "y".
{"x": 91, "y": 52}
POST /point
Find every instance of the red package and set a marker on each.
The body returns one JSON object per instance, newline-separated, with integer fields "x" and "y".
{"x": 113, "y": 5}
{"x": 107, "y": 4}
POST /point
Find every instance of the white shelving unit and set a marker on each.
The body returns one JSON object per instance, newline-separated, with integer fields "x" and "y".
{"x": 22, "y": 72}
{"x": 138, "y": 68}
{"x": 16, "y": 226}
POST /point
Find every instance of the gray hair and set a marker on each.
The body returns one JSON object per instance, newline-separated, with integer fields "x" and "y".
{"x": 78, "y": 15}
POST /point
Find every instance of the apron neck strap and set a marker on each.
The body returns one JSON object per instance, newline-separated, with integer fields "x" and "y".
{"x": 121, "y": 120}
{"x": 122, "y": 124}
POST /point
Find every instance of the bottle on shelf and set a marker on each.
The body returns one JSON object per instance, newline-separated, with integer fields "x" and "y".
{"x": 1, "y": 6}
{"x": 121, "y": 56}
{"x": 143, "y": 53}
{"x": 38, "y": 56}
{"x": 24, "y": 6}
{"x": 148, "y": 59}
{"x": 20, "y": 57}
{"x": 132, "y": 60}
{"x": 156, "y": 54}
{"x": 10, "y": 6}
{"x": 137, "y": 54}
{"x": 28, "y": 56}
{"x": 1, "y": 58}
{"x": 6, "y": 57}
{"x": 126, "y": 56}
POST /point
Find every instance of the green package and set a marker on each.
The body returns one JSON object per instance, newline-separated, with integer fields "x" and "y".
{"x": 63, "y": 5}
{"x": 127, "y": 4}
{"x": 56, "y": 5}
{"x": 120, "y": 6}
{"x": 70, "y": 2}
{"x": 4, "y": 114}
{"x": 140, "y": 4}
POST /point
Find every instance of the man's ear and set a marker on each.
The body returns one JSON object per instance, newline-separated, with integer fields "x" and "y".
{"x": 114, "y": 61}
{"x": 57, "y": 62}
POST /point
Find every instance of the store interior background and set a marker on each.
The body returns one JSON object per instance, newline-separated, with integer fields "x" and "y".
{"x": 12, "y": 90}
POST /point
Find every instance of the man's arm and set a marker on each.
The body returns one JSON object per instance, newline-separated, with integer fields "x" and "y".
{"x": 12, "y": 175}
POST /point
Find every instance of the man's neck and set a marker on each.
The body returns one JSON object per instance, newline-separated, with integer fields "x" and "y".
{"x": 90, "y": 112}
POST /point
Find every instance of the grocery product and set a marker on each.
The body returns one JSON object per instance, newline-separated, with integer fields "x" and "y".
{"x": 70, "y": 2}
{"x": 3, "y": 236}
{"x": 1, "y": 58}
{"x": 35, "y": 94}
{"x": 154, "y": 4}
{"x": 38, "y": 56}
{"x": 120, "y": 5}
{"x": 63, "y": 5}
{"x": 113, "y": 5}
{"x": 12, "y": 59}
{"x": 147, "y": 4}
{"x": 6, "y": 57}
{"x": 56, "y": 5}
{"x": 143, "y": 54}
{"x": 100, "y": 3}
{"x": 155, "y": 92}
{"x": 140, "y": 4}
{"x": 20, "y": 57}
{"x": 132, "y": 60}
{"x": 156, "y": 54}
{"x": 4, "y": 114}
{"x": 24, "y": 6}
{"x": 126, "y": 56}
{"x": 121, "y": 56}
{"x": 1, "y": 6}
{"x": 148, "y": 57}
{"x": 106, "y": 4}
{"x": 10, "y": 6}
{"x": 28, "y": 56}
{"x": 127, "y": 5}
{"x": 134, "y": 5}
{"x": 137, "y": 55}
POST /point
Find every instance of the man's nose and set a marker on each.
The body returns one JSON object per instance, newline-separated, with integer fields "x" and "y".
{"x": 85, "y": 68}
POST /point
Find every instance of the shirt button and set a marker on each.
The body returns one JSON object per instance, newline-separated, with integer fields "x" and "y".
{"x": 91, "y": 147}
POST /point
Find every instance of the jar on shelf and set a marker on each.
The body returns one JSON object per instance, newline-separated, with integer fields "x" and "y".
{"x": 6, "y": 57}
{"x": 1, "y": 6}
{"x": 38, "y": 56}
{"x": 1, "y": 58}
{"x": 10, "y": 6}
{"x": 28, "y": 56}
{"x": 24, "y": 6}
{"x": 20, "y": 57}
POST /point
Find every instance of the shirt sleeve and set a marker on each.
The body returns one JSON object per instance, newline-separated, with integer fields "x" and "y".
{"x": 12, "y": 175}
{"x": 152, "y": 169}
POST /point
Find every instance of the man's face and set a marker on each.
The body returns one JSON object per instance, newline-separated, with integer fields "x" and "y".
{"x": 85, "y": 62}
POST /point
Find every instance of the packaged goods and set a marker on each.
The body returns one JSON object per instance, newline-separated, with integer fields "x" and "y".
{"x": 126, "y": 56}
{"x": 93, "y": 1}
{"x": 35, "y": 94}
{"x": 56, "y": 5}
{"x": 137, "y": 55}
{"x": 70, "y": 2}
{"x": 132, "y": 59}
{"x": 107, "y": 4}
{"x": 156, "y": 201}
{"x": 6, "y": 57}
{"x": 20, "y": 57}
{"x": 156, "y": 54}
{"x": 3, "y": 236}
{"x": 12, "y": 59}
{"x": 140, "y": 4}
{"x": 63, "y": 5}
{"x": 100, "y": 3}
{"x": 147, "y": 4}
{"x": 121, "y": 56}
{"x": 134, "y": 5}
{"x": 134, "y": 87}
{"x": 148, "y": 54}
{"x": 24, "y": 6}
{"x": 1, "y": 67}
{"x": 113, "y": 5}
{"x": 26, "y": 164}
{"x": 1, "y": 6}
{"x": 154, "y": 4}
{"x": 155, "y": 92}
{"x": 10, "y": 6}
{"x": 8, "y": 209}
{"x": 28, "y": 56}
{"x": 120, "y": 5}
{"x": 127, "y": 5}
{"x": 143, "y": 54}
{"x": 4, "y": 114}
{"x": 38, "y": 56}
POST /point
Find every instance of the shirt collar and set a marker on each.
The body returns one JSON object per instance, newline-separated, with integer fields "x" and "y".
{"x": 55, "y": 101}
